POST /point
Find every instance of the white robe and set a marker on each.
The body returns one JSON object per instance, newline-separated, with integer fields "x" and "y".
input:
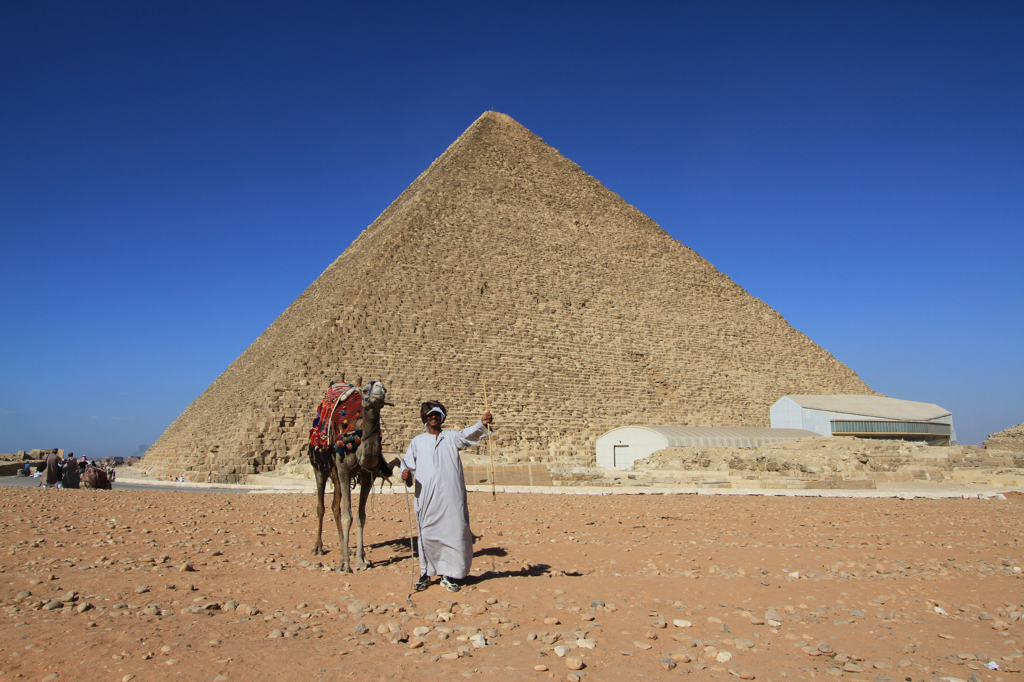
{"x": 442, "y": 511}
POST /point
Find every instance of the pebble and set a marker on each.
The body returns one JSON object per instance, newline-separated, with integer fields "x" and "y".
{"x": 420, "y": 631}
{"x": 680, "y": 623}
{"x": 572, "y": 677}
{"x": 747, "y": 675}
{"x": 552, "y": 621}
{"x": 574, "y": 663}
{"x": 562, "y": 651}
{"x": 357, "y": 606}
{"x": 540, "y": 668}
{"x": 275, "y": 634}
{"x": 51, "y": 676}
{"x": 668, "y": 663}
{"x": 723, "y": 656}
{"x": 642, "y": 645}
{"x": 128, "y": 678}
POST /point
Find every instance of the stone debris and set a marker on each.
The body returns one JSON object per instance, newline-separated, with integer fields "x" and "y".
{"x": 881, "y": 580}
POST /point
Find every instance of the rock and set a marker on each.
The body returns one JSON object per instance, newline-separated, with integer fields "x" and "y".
{"x": 574, "y": 663}
{"x": 667, "y": 663}
{"x": 540, "y": 668}
{"x": 478, "y": 640}
{"x": 572, "y": 677}
{"x": 586, "y": 643}
{"x": 562, "y": 651}
{"x": 680, "y": 623}
{"x": 682, "y": 657}
{"x": 142, "y": 589}
{"x": 852, "y": 667}
{"x": 596, "y": 604}
{"x": 357, "y": 606}
{"x": 383, "y": 629}
{"x": 128, "y": 678}
{"x": 741, "y": 643}
{"x": 360, "y": 629}
{"x": 642, "y": 645}
{"x": 416, "y": 644}
{"x": 747, "y": 675}
{"x": 83, "y": 607}
{"x": 723, "y": 657}
{"x": 397, "y": 637}
{"x": 835, "y": 672}
{"x": 420, "y": 631}
{"x": 247, "y": 610}
{"x": 185, "y": 568}
{"x": 552, "y": 621}
{"x": 824, "y": 648}
{"x": 275, "y": 634}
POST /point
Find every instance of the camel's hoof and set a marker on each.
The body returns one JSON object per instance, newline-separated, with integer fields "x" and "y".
{"x": 343, "y": 569}
{"x": 318, "y": 551}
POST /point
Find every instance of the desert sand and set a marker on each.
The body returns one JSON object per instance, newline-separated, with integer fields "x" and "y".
{"x": 146, "y": 585}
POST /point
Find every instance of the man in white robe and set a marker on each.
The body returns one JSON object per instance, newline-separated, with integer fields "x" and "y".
{"x": 442, "y": 510}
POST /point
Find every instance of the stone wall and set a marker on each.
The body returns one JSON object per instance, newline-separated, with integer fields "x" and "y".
{"x": 505, "y": 263}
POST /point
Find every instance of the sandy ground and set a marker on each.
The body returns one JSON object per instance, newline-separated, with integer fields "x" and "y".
{"x": 628, "y": 587}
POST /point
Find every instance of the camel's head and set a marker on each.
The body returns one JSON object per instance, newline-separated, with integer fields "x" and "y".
{"x": 374, "y": 395}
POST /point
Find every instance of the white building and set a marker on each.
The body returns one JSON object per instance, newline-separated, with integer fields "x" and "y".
{"x": 620, "y": 447}
{"x": 864, "y": 416}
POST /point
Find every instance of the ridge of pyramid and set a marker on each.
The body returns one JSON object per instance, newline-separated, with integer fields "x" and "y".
{"x": 505, "y": 262}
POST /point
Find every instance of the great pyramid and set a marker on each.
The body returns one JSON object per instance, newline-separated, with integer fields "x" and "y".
{"x": 504, "y": 261}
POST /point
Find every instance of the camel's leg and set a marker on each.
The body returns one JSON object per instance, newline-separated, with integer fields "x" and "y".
{"x": 321, "y": 485}
{"x": 345, "y": 522}
{"x": 365, "y": 486}
{"x": 336, "y": 507}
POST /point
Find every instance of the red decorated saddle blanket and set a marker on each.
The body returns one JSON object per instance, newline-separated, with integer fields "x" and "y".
{"x": 339, "y": 419}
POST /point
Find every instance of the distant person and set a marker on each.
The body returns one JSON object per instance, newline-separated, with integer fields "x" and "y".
{"x": 53, "y": 470}
{"x": 26, "y": 472}
{"x": 82, "y": 464}
{"x": 71, "y": 478}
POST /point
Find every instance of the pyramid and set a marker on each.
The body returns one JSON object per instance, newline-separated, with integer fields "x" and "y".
{"x": 505, "y": 263}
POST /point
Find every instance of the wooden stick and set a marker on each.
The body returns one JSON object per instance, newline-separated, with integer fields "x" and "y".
{"x": 490, "y": 449}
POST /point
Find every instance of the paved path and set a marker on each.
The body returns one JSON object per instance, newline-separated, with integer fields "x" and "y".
{"x": 278, "y": 485}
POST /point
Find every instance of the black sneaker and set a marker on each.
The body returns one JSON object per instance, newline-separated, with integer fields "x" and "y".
{"x": 423, "y": 583}
{"x": 449, "y": 584}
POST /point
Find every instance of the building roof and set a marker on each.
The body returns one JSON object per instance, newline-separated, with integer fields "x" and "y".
{"x": 700, "y": 436}
{"x": 872, "y": 406}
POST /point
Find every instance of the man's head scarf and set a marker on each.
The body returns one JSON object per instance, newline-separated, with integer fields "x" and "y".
{"x": 430, "y": 406}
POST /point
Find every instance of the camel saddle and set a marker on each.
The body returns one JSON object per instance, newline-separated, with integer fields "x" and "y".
{"x": 339, "y": 419}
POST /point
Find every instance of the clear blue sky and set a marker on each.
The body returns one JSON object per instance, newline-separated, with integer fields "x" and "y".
{"x": 174, "y": 174}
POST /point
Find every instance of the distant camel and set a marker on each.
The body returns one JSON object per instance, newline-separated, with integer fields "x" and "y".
{"x": 339, "y": 449}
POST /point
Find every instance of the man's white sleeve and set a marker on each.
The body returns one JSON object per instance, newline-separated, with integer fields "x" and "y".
{"x": 467, "y": 438}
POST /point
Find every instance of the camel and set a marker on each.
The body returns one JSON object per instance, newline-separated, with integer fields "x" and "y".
{"x": 340, "y": 463}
